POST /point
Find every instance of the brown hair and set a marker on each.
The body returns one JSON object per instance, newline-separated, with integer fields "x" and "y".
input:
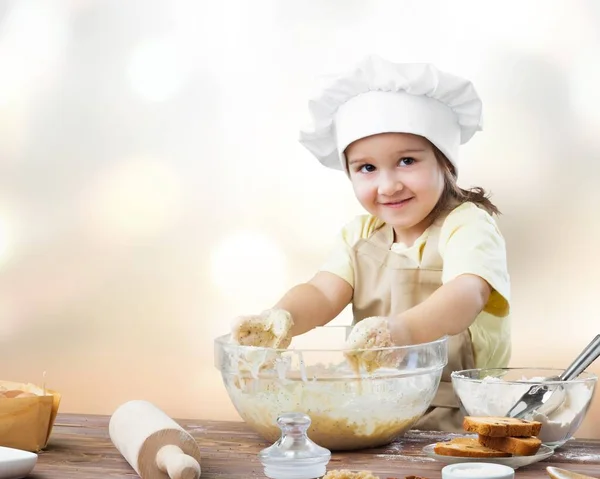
{"x": 453, "y": 195}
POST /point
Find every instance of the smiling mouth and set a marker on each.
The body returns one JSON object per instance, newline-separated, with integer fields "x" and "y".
{"x": 397, "y": 204}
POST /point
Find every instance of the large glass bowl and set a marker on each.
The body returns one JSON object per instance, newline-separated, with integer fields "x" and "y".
{"x": 492, "y": 392}
{"x": 348, "y": 411}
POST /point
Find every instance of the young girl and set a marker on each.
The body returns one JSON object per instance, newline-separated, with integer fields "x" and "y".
{"x": 428, "y": 259}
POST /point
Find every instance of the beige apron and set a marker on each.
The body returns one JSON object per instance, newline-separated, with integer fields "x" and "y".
{"x": 389, "y": 283}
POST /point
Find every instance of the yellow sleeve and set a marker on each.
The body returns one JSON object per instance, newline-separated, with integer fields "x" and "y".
{"x": 339, "y": 261}
{"x": 471, "y": 243}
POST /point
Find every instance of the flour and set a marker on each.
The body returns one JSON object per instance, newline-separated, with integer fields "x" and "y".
{"x": 494, "y": 397}
{"x": 564, "y": 421}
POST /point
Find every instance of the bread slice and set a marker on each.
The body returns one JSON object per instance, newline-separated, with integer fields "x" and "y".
{"x": 462, "y": 440}
{"x": 519, "y": 446}
{"x": 501, "y": 426}
{"x": 467, "y": 447}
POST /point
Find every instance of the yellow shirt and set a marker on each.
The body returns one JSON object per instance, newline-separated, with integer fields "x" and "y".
{"x": 469, "y": 243}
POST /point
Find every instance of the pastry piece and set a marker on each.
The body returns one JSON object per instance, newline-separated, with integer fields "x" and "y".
{"x": 467, "y": 447}
{"x": 16, "y": 393}
{"x": 346, "y": 474}
{"x": 518, "y": 446}
{"x": 501, "y": 426}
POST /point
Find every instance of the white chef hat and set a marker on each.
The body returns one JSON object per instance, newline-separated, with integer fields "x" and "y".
{"x": 378, "y": 96}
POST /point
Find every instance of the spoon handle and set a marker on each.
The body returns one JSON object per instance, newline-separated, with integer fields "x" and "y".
{"x": 587, "y": 357}
{"x": 556, "y": 473}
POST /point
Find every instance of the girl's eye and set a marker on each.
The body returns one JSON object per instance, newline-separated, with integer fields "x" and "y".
{"x": 367, "y": 168}
{"x": 407, "y": 161}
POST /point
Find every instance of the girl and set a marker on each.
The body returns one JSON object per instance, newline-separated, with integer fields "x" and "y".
{"x": 428, "y": 259}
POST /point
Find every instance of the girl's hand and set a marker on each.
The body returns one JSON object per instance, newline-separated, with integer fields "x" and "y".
{"x": 269, "y": 329}
{"x": 368, "y": 337}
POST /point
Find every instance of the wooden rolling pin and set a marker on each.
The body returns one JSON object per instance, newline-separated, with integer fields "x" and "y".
{"x": 153, "y": 443}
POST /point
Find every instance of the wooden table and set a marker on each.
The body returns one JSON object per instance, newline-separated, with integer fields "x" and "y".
{"x": 80, "y": 447}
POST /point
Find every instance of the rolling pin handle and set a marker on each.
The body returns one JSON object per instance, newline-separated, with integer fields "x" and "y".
{"x": 171, "y": 460}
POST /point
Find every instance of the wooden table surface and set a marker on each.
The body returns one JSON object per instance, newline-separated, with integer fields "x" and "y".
{"x": 80, "y": 447}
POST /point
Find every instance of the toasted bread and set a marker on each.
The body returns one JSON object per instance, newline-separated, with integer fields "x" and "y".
{"x": 501, "y": 426}
{"x": 519, "y": 446}
{"x": 467, "y": 447}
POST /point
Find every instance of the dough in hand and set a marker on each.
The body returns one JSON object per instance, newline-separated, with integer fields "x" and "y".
{"x": 363, "y": 344}
{"x": 270, "y": 329}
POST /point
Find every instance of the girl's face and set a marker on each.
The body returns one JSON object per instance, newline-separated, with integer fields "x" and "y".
{"x": 396, "y": 177}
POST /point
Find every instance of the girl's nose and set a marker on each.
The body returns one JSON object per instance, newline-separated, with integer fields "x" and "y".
{"x": 389, "y": 184}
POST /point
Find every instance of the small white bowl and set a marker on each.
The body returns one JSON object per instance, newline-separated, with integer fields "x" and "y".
{"x": 15, "y": 463}
{"x": 477, "y": 470}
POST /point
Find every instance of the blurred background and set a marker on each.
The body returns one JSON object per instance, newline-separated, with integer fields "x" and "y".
{"x": 152, "y": 185}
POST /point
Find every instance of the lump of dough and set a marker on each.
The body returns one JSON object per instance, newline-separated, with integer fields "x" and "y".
{"x": 270, "y": 329}
{"x": 364, "y": 343}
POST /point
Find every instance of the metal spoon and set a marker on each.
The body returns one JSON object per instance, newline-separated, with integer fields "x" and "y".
{"x": 556, "y": 473}
{"x": 549, "y": 397}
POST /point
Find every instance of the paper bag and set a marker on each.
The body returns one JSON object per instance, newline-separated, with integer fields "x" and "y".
{"x": 26, "y": 422}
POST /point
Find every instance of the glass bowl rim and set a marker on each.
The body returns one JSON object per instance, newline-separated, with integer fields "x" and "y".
{"x": 223, "y": 342}
{"x": 584, "y": 377}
